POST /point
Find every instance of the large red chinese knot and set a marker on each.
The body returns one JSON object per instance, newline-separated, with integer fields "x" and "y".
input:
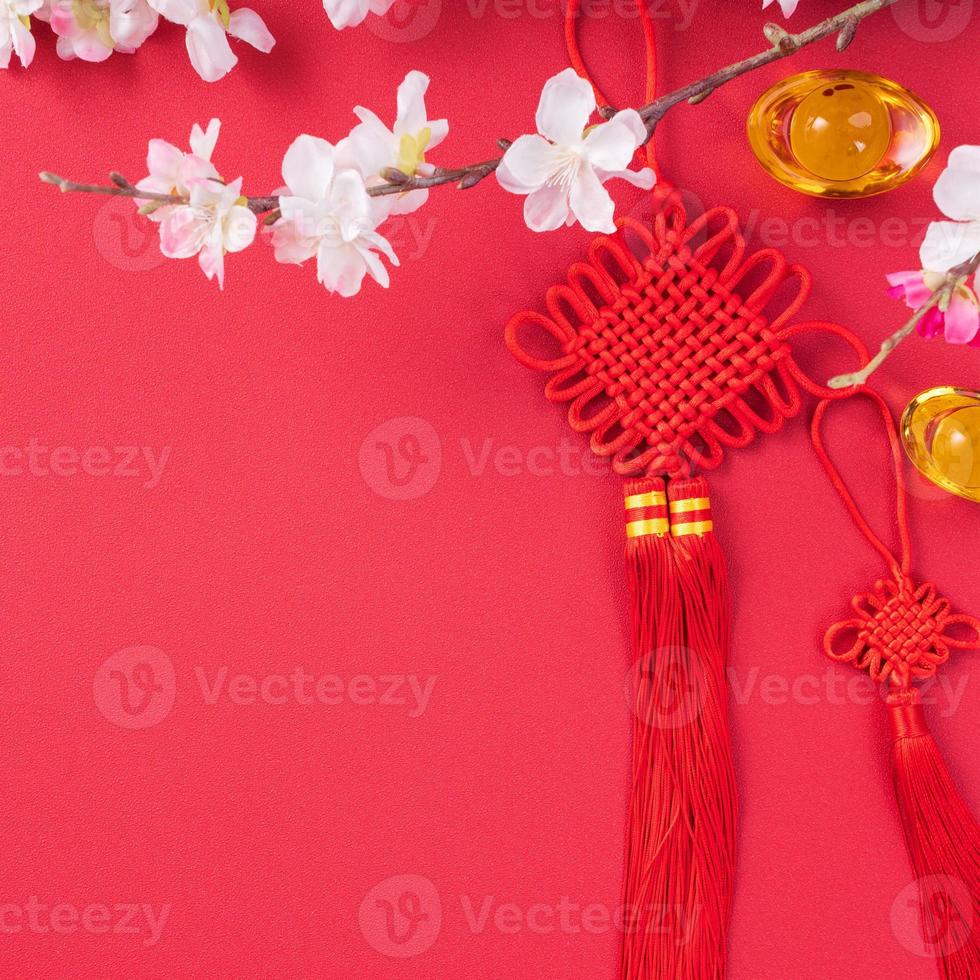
{"x": 674, "y": 341}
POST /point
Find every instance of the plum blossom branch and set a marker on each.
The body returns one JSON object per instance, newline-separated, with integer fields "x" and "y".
{"x": 945, "y": 301}
{"x": 396, "y": 181}
{"x": 938, "y": 301}
{"x": 122, "y": 188}
{"x": 339, "y": 197}
{"x": 783, "y": 45}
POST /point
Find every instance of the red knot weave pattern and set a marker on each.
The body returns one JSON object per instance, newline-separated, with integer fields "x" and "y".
{"x": 899, "y": 632}
{"x": 674, "y": 343}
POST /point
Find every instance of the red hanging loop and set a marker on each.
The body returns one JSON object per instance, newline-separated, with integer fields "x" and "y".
{"x": 904, "y": 565}
{"x": 573, "y": 14}
{"x": 900, "y": 631}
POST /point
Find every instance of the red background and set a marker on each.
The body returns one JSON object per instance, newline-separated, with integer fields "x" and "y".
{"x": 263, "y": 547}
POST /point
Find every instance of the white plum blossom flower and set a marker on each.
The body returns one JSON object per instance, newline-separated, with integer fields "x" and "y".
{"x": 563, "y": 169}
{"x": 215, "y": 222}
{"x": 172, "y": 171}
{"x": 15, "y": 30}
{"x": 93, "y": 29}
{"x": 949, "y": 244}
{"x": 350, "y": 13}
{"x": 327, "y": 214}
{"x": 374, "y": 146}
{"x": 957, "y": 193}
{"x": 788, "y": 6}
{"x": 208, "y": 23}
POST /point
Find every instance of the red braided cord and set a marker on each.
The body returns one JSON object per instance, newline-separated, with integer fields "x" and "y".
{"x": 573, "y": 14}
{"x": 663, "y": 359}
{"x": 900, "y": 631}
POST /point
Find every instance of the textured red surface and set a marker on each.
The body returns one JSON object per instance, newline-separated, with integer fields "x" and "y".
{"x": 273, "y": 539}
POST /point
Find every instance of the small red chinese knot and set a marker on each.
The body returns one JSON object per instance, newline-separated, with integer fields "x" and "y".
{"x": 900, "y": 632}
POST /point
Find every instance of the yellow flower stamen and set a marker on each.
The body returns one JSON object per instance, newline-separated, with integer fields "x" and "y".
{"x": 411, "y": 151}
{"x": 221, "y": 7}
{"x": 94, "y": 15}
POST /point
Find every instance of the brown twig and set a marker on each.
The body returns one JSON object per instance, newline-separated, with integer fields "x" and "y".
{"x": 122, "y": 188}
{"x": 782, "y": 45}
{"x": 940, "y": 298}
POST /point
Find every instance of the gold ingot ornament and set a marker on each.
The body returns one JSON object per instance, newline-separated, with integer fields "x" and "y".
{"x": 842, "y": 133}
{"x": 941, "y": 435}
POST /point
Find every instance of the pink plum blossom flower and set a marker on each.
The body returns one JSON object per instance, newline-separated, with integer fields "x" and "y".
{"x": 208, "y": 23}
{"x": 562, "y": 169}
{"x": 350, "y": 13}
{"x": 15, "y": 30}
{"x": 172, "y": 171}
{"x": 327, "y": 214}
{"x": 947, "y": 245}
{"x": 215, "y": 222}
{"x": 788, "y": 6}
{"x": 374, "y": 146}
{"x": 959, "y": 322}
{"x": 93, "y": 29}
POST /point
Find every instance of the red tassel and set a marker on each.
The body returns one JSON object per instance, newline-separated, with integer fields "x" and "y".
{"x": 943, "y": 842}
{"x": 681, "y": 842}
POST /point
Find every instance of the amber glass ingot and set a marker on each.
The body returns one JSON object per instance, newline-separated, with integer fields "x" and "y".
{"x": 842, "y": 133}
{"x": 941, "y": 435}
